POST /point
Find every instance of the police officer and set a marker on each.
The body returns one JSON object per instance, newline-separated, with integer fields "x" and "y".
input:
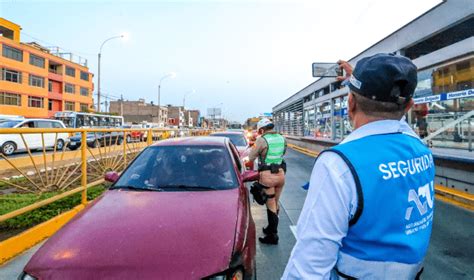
{"x": 369, "y": 209}
{"x": 269, "y": 149}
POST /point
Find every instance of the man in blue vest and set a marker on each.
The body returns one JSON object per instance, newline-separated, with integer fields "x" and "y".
{"x": 369, "y": 209}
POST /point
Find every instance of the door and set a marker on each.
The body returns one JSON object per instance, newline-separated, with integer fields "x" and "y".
{"x": 32, "y": 140}
{"x": 49, "y": 138}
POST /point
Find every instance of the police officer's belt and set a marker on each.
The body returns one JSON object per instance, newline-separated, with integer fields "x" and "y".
{"x": 274, "y": 168}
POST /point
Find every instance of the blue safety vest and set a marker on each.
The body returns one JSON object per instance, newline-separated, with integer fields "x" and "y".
{"x": 389, "y": 234}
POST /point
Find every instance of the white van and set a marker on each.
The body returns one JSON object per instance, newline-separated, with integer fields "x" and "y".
{"x": 10, "y": 143}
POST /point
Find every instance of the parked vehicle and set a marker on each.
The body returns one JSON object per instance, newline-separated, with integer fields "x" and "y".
{"x": 179, "y": 211}
{"x": 240, "y": 141}
{"x": 81, "y": 119}
{"x": 134, "y": 136}
{"x": 11, "y": 143}
{"x": 96, "y": 139}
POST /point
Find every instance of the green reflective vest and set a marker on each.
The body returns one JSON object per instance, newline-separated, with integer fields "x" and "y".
{"x": 276, "y": 148}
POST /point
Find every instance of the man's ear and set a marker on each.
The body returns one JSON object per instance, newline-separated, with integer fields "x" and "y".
{"x": 351, "y": 104}
{"x": 409, "y": 105}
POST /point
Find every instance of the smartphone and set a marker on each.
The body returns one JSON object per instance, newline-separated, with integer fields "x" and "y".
{"x": 325, "y": 69}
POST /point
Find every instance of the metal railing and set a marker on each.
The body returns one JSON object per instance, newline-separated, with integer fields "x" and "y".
{"x": 48, "y": 165}
{"x": 451, "y": 130}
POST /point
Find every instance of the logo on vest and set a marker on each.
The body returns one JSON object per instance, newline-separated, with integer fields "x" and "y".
{"x": 425, "y": 193}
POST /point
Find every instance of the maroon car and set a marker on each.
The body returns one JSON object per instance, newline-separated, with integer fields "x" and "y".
{"x": 179, "y": 211}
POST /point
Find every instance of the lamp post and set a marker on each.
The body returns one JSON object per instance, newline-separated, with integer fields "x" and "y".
{"x": 169, "y": 75}
{"x": 186, "y": 94}
{"x": 98, "y": 70}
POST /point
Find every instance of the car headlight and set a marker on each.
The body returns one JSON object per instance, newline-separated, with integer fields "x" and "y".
{"x": 25, "y": 276}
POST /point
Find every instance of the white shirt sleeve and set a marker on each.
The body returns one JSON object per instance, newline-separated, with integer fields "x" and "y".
{"x": 330, "y": 203}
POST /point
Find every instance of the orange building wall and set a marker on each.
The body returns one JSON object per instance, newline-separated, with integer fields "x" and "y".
{"x": 57, "y": 95}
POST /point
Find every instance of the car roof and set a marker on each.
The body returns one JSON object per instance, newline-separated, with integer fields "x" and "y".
{"x": 227, "y": 132}
{"x": 194, "y": 141}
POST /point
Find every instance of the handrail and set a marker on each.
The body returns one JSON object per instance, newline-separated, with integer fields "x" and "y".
{"x": 67, "y": 178}
{"x": 449, "y": 125}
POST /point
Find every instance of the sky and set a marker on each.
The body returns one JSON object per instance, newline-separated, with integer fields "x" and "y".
{"x": 243, "y": 56}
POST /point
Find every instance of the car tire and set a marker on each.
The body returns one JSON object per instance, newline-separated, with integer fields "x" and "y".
{"x": 60, "y": 145}
{"x": 96, "y": 144}
{"x": 73, "y": 148}
{"x": 8, "y": 148}
{"x": 120, "y": 141}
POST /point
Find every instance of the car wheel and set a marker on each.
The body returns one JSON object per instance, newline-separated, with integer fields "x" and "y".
{"x": 96, "y": 144}
{"x": 120, "y": 141}
{"x": 60, "y": 145}
{"x": 8, "y": 148}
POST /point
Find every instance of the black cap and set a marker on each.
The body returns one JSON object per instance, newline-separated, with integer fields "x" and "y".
{"x": 384, "y": 77}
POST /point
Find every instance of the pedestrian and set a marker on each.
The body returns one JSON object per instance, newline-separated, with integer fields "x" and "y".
{"x": 269, "y": 149}
{"x": 369, "y": 209}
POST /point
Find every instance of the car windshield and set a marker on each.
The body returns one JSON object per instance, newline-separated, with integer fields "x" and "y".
{"x": 8, "y": 124}
{"x": 236, "y": 139}
{"x": 183, "y": 168}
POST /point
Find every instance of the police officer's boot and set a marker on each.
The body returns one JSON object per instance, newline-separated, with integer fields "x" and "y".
{"x": 272, "y": 236}
{"x": 265, "y": 229}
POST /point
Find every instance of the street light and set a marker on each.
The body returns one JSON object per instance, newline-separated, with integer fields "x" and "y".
{"x": 121, "y": 36}
{"x": 186, "y": 94}
{"x": 169, "y": 75}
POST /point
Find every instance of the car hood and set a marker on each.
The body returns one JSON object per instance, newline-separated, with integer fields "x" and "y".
{"x": 143, "y": 235}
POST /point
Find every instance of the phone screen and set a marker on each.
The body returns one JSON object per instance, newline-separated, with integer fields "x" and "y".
{"x": 324, "y": 69}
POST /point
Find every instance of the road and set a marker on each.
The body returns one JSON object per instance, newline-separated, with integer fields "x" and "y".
{"x": 450, "y": 255}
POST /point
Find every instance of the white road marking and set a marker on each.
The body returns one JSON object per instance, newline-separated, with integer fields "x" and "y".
{"x": 293, "y": 230}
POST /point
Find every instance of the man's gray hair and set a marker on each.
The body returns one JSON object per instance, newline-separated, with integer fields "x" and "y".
{"x": 379, "y": 109}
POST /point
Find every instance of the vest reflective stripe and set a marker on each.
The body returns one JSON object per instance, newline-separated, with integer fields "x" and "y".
{"x": 361, "y": 269}
{"x": 395, "y": 177}
{"x": 276, "y": 148}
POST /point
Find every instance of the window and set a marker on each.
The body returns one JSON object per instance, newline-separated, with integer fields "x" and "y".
{"x": 84, "y": 107}
{"x": 69, "y": 106}
{"x": 36, "y": 102}
{"x": 84, "y": 91}
{"x": 43, "y": 124}
{"x": 11, "y": 75}
{"x": 12, "y": 53}
{"x": 70, "y": 71}
{"x": 84, "y": 76}
{"x": 50, "y": 86}
{"x": 36, "y": 81}
{"x": 50, "y": 105}
{"x": 69, "y": 88}
{"x": 10, "y": 99}
{"x": 57, "y": 125}
{"x": 36, "y": 60}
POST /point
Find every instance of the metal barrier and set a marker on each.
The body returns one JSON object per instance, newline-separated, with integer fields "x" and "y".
{"x": 55, "y": 168}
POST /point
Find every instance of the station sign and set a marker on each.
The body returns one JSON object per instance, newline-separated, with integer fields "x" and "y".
{"x": 445, "y": 96}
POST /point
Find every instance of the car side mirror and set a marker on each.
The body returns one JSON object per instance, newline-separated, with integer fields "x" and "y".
{"x": 111, "y": 176}
{"x": 250, "y": 175}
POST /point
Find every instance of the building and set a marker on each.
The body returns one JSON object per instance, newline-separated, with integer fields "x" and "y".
{"x": 176, "y": 116}
{"x": 36, "y": 81}
{"x": 140, "y": 111}
{"x": 441, "y": 44}
{"x": 193, "y": 118}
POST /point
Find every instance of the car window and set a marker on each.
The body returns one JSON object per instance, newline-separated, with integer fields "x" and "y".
{"x": 8, "y": 124}
{"x": 235, "y": 155}
{"x": 28, "y": 125}
{"x": 236, "y": 139}
{"x": 43, "y": 124}
{"x": 57, "y": 125}
{"x": 172, "y": 167}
